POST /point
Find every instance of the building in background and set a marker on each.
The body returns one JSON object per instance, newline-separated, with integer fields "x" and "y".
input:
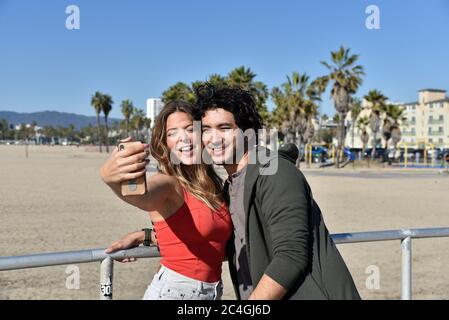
{"x": 426, "y": 125}
{"x": 154, "y": 106}
{"x": 427, "y": 120}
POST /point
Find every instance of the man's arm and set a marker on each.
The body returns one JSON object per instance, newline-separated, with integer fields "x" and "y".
{"x": 285, "y": 208}
{"x": 131, "y": 240}
{"x": 268, "y": 289}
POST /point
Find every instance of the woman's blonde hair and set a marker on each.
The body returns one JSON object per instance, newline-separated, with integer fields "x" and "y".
{"x": 199, "y": 179}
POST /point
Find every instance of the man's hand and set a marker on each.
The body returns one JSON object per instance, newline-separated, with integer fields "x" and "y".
{"x": 268, "y": 289}
{"x": 131, "y": 240}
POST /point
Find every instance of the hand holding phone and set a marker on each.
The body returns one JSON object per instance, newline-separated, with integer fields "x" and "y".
{"x": 136, "y": 186}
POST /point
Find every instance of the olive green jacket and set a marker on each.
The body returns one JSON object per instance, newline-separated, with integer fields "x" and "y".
{"x": 286, "y": 236}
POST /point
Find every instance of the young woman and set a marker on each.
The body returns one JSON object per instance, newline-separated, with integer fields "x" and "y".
{"x": 185, "y": 204}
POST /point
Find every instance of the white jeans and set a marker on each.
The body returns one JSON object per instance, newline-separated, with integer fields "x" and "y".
{"x": 170, "y": 285}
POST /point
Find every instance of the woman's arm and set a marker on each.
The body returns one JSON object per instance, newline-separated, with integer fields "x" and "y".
{"x": 130, "y": 164}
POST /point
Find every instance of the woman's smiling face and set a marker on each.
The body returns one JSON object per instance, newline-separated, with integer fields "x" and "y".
{"x": 182, "y": 141}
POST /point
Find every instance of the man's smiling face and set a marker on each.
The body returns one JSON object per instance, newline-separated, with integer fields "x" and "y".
{"x": 220, "y": 135}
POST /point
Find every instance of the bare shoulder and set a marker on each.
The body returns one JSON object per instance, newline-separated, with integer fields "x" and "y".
{"x": 165, "y": 193}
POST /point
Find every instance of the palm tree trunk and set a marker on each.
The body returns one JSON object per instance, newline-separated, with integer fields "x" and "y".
{"x": 127, "y": 127}
{"x": 363, "y": 155}
{"x": 353, "y": 133}
{"x": 299, "y": 143}
{"x": 395, "y": 148}
{"x": 107, "y": 136}
{"x": 373, "y": 152}
{"x": 340, "y": 141}
{"x": 98, "y": 132}
{"x": 309, "y": 156}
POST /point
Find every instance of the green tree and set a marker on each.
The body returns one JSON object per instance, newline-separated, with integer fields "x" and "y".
{"x": 71, "y": 132}
{"x": 137, "y": 122}
{"x": 178, "y": 91}
{"x": 217, "y": 80}
{"x": 296, "y": 108}
{"x": 355, "y": 109}
{"x": 377, "y": 103}
{"x": 106, "y": 107}
{"x": 147, "y": 122}
{"x": 345, "y": 78}
{"x": 127, "y": 111}
{"x": 87, "y": 133}
{"x": 97, "y": 103}
{"x": 4, "y": 128}
{"x": 244, "y": 78}
{"x": 362, "y": 124}
{"x": 395, "y": 115}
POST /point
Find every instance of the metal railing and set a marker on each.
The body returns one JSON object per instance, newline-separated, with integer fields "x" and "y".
{"x": 107, "y": 260}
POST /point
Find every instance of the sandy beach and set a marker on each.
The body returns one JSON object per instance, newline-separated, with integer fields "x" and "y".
{"x": 54, "y": 200}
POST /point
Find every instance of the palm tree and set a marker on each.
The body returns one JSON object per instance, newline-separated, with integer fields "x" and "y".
{"x": 217, "y": 80}
{"x": 178, "y": 91}
{"x": 106, "y": 106}
{"x": 137, "y": 121}
{"x": 96, "y": 102}
{"x": 241, "y": 77}
{"x": 29, "y": 133}
{"x": 281, "y": 113}
{"x": 336, "y": 120}
{"x": 127, "y": 111}
{"x": 356, "y": 108}
{"x": 70, "y": 132}
{"x": 387, "y": 125}
{"x": 244, "y": 78}
{"x": 377, "y": 101}
{"x": 320, "y": 85}
{"x": 395, "y": 114}
{"x": 147, "y": 123}
{"x": 296, "y": 108}
{"x": 4, "y": 128}
{"x": 281, "y": 116}
{"x": 346, "y": 79}
{"x": 362, "y": 124}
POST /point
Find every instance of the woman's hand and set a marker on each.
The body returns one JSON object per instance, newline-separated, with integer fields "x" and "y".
{"x": 126, "y": 164}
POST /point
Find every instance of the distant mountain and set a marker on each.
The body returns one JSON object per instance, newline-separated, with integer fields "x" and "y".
{"x": 53, "y": 118}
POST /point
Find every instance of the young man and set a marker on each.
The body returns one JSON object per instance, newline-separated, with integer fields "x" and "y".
{"x": 281, "y": 248}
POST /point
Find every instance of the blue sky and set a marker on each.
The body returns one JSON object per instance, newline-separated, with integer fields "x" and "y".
{"x": 136, "y": 49}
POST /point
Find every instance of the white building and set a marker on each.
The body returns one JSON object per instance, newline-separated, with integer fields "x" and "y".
{"x": 154, "y": 106}
{"x": 427, "y": 122}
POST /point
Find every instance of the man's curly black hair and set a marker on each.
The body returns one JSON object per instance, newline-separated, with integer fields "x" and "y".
{"x": 233, "y": 99}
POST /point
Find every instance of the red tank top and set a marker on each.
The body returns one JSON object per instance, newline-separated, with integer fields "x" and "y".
{"x": 192, "y": 241}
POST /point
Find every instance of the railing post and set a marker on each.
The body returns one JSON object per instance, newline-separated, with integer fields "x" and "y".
{"x": 406, "y": 248}
{"x": 106, "y": 275}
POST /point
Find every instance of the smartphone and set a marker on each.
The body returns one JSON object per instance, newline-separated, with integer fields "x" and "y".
{"x": 135, "y": 186}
